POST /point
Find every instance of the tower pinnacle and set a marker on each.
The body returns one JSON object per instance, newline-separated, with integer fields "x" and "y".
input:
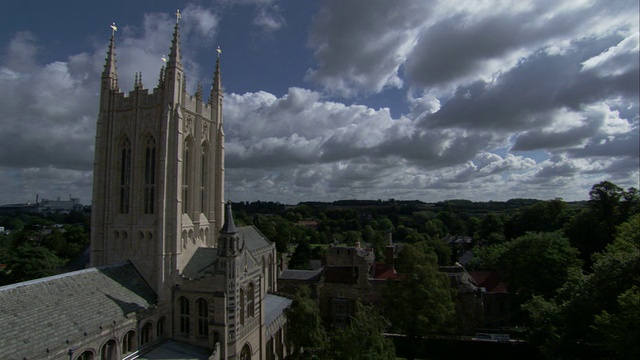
{"x": 216, "y": 87}
{"x": 110, "y": 62}
{"x": 174, "y": 54}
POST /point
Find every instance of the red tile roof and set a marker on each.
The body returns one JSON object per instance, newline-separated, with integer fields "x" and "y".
{"x": 490, "y": 280}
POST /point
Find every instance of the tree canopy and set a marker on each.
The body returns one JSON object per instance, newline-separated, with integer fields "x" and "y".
{"x": 424, "y": 292}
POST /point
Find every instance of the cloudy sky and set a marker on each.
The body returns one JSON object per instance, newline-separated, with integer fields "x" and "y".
{"x": 326, "y": 100}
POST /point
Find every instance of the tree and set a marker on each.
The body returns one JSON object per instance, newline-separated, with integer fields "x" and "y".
{"x": 362, "y": 338}
{"x": 595, "y": 227}
{"x": 592, "y": 314}
{"x": 305, "y": 334}
{"x": 301, "y": 256}
{"x": 29, "y": 262}
{"x": 425, "y": 293}
{"x": 533, "y": 264}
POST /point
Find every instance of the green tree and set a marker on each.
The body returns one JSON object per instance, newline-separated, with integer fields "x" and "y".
{"x": 306, "y": 336}
{"x": 301, "y": 256}
{"x": 578, "y": 322}
{"x": 533, "y": 264}
{"x": 362, "y": 339}
{"x": 29, "y": 262}
{"x": 425, "y": 294}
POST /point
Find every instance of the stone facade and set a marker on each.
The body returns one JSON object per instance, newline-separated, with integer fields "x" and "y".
{"x": 171, "y": 276}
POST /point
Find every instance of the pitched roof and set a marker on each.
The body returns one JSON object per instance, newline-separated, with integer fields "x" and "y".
{"x": 202, "y": 262}
{"x": 44, "y": 313}
{"x": 490, "y": 280}
{"x": 274, "y": 306}
{"x": 302, "y": 275}
{"x": 252, "y": 237}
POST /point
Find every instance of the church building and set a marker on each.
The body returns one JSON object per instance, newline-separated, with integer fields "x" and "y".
{"x": 171, "y": 276}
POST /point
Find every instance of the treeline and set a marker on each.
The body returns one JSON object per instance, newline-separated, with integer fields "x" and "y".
{"x": 35, "y": 246}
{"x": 571, "y": 268}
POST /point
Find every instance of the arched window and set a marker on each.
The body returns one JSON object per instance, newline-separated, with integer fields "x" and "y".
{"x": 251, "y": 301}
{"x": 109, "y": 350}
{"x": 186, "y": 172}
{"x": 203, "y": 317}
{"x": 160, "y": 327}
{"x": 146, "y": 333}
{"x": 129, "y": 342}
{"x": 149, "y": 175}
{"x": 203, "y": 177}
{"x": 245, "y": 354}
{"x": 125, "y": 175}
{"x": 241, "y": 307}
{"x": 184, "y": 315}
{"x": 86, "y": 355}
{"x": 270, "y": 276}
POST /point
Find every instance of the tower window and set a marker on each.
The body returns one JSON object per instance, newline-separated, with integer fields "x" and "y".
{"x": 241, "y": 307}
{"x": 185, "y": 176}
{"x": 184, "y": 315}
{"x": 149, "y": 175}
{"x": 203, "y": 317}
{"x": 203, "y": 179}
{"x": 125, "y": 175}
{"x": 251, "y": 307}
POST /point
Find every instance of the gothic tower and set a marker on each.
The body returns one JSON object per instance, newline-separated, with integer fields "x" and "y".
{"x": 158, "y": 171}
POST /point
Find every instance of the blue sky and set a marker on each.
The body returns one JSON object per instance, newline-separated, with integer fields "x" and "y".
{"x": 326, "y": 100}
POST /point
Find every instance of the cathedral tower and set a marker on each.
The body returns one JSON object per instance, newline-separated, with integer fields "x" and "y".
{"x": 158, "y": 171}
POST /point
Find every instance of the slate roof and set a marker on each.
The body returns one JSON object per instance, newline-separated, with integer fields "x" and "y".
{"x": 302, "y": 275}
{"x": 202, "y": 262}
{"x": 42, "y": 313}
{"x": 274, "y": 306}
{"x": 173, "y": 350}
{"x": 253, "y": 238}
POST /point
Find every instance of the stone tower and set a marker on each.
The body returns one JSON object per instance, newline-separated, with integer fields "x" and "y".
{"x": 158, "y": 172}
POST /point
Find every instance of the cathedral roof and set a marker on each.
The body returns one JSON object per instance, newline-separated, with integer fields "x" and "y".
{"x": 253, "y": 238}
{"x": 43, "y": 314}
{"x": 202, "y": 262}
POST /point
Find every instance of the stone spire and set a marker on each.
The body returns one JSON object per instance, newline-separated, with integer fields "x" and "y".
{"x": 175, "y": 56}
{"x": 110, "y": 71}
{"x": 216, "y": 88}
{"x": 229, "y": 226}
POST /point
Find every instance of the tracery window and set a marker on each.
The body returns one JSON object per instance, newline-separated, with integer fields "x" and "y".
{"x": 129, "y": 342}
{"x": 149, "y": 175}
{"x": 203, "y": 317}
{"x": 251, "y": 301}
{"x": 186, "y": 178}
{"x": 241, "y": 308}
{"x": 245, "y": 354}
{"x": 184, "y": 315}
{"x": 145, "y": 334}
{"x": 203, "y": 179}
{"x": 125, "y": 175}
{"x": 109, "y": 350}
{"x": 160, "y": 327}
{"x": 87, "y": 355}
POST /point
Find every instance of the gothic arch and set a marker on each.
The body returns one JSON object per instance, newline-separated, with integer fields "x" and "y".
{"x": 245, "y": 353}
{"x": 188, "y": 153}
{"x": 86, "y": 355}
{"x": 129, "y": 343}
{"x": 202, "y": 307}
{"x": 184, "y": 314}
{"x": 148, "y": 163}
{"x": 204, "y": 176}
{"x": 251, "y": 295}
{"x": 109, "y": 350}
{"x": 124, "y": 168}
{"x": 146, "y": 333}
